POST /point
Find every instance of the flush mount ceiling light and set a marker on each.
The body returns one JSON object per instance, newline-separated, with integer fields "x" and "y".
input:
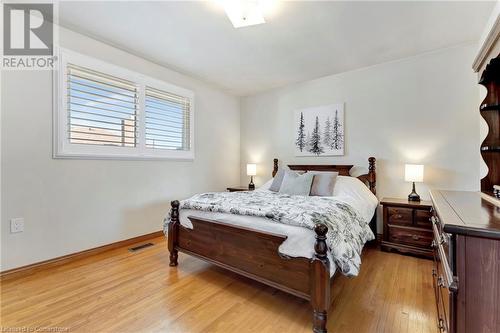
{"x": 243, "y": 13}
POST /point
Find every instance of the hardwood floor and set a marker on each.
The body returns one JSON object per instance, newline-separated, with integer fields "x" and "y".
{"x": 119, "y": 291}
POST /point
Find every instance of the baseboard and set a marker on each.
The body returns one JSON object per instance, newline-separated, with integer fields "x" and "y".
{"x": 35, "y": 267}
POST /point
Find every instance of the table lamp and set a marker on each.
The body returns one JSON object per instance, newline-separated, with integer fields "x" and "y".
{"x": 251, "y": 171}
{"x": 414, "y": 173}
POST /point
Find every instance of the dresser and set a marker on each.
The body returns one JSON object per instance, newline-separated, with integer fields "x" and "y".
{"x": 466, "y": 274}
{"x": 407, "y": 226}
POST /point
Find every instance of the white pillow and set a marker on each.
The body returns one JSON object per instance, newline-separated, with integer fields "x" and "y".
{"x": 356, "y": 193}
{"x": 353, "y": 188}
{"x": 277, "y": 180}
{"x": 295, "y": 184}
{"x": 323, "y": 183}
{"x": 266, "y": 185}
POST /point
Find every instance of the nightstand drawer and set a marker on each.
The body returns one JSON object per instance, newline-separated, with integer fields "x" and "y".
{"x": 410, "y": 236}
{"x": 400, "y": 216}
{"x": 422, "y": 219}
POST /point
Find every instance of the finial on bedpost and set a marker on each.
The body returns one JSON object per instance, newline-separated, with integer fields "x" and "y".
{"x": 320, "y": 247}
{"x": 372, "y": 175}
{"x": 174, "y": 215}
{"x": 173, "y": 232}
{"x": 275, "y": 167}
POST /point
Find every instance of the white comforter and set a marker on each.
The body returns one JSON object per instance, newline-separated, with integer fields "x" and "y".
{"x": 300, "y": 241}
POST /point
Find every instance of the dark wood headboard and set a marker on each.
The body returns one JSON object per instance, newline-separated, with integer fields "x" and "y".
{"x": 369, "y": 178}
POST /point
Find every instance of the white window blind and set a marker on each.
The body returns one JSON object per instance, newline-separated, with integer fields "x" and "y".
{"x": 167, "y": 120}
{"x": 102, "y": 108}
{"x": 105, "y": 111}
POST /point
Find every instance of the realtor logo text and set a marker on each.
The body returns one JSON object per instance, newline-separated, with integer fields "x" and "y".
{"x": 28, "y": 36}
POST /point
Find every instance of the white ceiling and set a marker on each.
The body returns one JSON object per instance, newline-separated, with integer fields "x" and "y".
{"x": 300, "y": 41}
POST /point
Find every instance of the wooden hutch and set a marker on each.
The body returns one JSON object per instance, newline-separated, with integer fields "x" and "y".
{"x": 466, "y": 229}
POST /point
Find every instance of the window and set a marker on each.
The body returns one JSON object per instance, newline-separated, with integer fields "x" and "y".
{"x": 167, "y": 120}
{"x": 108, "y": 112}
{"x": 102, "y": 110}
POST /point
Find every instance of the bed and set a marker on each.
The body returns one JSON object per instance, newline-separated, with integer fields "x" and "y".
{"x": 268, "y": 252}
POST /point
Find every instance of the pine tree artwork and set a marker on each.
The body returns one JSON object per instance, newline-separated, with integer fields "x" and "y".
{"x": 316, "y": 147}
{"x": 301, "y": 138}
{"x": 337, "y": 141}
{"x": 319, "y": 131}
{"x": 327, "y": 133}
{"x": 308, "y": 142}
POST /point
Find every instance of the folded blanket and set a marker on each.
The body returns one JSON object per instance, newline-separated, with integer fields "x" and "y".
{"x": 347, "y": 231}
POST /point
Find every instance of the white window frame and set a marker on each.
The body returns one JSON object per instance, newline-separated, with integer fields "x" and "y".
{"x": 62, "y": 148}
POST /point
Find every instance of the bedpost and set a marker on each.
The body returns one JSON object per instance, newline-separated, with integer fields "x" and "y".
{"x": 275, "y": 166}
{"x": 173, "y": 232}
{"x": 320, "y": 280}
{"x": 372, "y": 175}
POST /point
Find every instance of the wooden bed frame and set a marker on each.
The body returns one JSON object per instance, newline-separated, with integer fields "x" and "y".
{"x": 255, "y": 254}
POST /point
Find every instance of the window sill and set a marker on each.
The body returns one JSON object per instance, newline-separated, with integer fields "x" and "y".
{"x": 185, "y": 156}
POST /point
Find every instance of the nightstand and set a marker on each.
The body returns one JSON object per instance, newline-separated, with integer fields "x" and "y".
{"x": 407, "y": 226}
{"x": 238, "y": 188}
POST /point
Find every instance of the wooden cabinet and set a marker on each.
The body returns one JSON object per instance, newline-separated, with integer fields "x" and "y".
{"x": 466, "y": 274}
{"x": 407, "y": 226}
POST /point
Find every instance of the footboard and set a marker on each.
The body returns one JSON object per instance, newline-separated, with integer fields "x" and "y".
{"x": 250, "y": 253}
{"x": 255, "y": 254}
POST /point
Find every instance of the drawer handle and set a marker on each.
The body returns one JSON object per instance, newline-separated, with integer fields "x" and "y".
{"x": 434, "y": 220}
{"x": 415, "y": 237}
{"x": 398, "y": 216}
{"x": 434, "y": 273}
{"x": 441, "y": 324}
{"x": 440, "y": 282}
{"x": 443, "y": 239}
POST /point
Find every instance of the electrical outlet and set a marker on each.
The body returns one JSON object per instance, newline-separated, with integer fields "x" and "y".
{"x": 16, "y": 225}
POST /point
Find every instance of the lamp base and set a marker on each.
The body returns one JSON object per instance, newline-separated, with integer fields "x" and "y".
{"x": 413, "y": 196}
{"x": 251, "y": 186}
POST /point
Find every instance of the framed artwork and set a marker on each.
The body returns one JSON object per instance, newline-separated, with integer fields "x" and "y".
{"x": 319, "y": 131}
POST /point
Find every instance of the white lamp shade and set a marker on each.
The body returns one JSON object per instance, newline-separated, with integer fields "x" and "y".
{"x": 414, "y": 173}
{"x": 251, "y": 169}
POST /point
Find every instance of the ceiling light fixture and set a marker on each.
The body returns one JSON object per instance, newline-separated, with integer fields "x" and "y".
{"x": 244, "y": 13}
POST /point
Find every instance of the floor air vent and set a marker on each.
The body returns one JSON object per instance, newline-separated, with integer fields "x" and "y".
{"x": 140, "y": 247}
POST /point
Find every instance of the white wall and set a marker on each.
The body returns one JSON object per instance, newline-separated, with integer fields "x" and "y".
{"x": 417, "y": 110}
{"x": 73, "y": 205}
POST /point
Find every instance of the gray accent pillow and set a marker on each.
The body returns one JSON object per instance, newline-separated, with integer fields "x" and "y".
{"x": 295, "y": 184}
{"x": 323, "y": 183}
{"x": 278, "y": 179}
